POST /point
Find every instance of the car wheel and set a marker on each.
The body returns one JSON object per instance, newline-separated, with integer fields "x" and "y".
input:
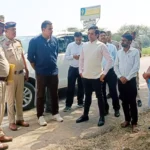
{"x": 28, "y": 96}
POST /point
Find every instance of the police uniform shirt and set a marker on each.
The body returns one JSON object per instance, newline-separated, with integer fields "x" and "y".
{"x": 13, "y": 51}
{"x": 4, "y": 65}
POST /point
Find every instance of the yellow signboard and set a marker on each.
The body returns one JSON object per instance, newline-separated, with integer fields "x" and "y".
{"x": 90, "y": 12}
{"x": 93, "y": 11}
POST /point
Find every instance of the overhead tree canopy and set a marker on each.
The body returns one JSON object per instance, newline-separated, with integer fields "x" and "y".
{"x": 140, "y": 29}
{"x": 143, "y": 32}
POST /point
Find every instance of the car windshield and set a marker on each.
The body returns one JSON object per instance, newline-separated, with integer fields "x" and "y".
{"x": 62, "y": 40}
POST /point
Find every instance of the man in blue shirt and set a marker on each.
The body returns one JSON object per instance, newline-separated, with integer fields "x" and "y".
{"x": 42, "y": 54}
{"x": 111, "y": 78}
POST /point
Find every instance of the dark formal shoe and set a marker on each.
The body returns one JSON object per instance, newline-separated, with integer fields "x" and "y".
{"x": 139, "y": 103}
{"x": 108, "y": 96}
{"x": 22, "y": 123}
{"x": 82, "y": 119}
{"x": 101, "y": 121}
{"x": 106, "y": 112}
{"x": 117, "y": 113}
{"x": 4, "y": 139}
{"x": 3, "y": 146}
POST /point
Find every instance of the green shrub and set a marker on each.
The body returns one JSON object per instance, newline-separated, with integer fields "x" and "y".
{"x": 146, "y": 50}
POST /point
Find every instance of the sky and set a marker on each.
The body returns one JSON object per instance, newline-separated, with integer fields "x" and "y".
{"x": 29, "y": 14}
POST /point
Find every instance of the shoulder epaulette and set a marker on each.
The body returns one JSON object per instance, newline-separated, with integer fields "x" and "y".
{"x": 18, "y": 41}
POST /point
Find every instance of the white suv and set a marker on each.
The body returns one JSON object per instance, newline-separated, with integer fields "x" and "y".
{"x": 63, "y": 65}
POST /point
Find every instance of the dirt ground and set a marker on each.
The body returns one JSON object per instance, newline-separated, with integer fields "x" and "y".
{"x": 115, "y": 138}
{"x": 84, "y": 136}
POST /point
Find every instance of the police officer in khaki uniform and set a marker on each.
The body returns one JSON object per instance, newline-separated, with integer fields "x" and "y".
{"x": 14, "y": 54}
{"x": 4, "y": 71}
{"x": 136, "y": 43}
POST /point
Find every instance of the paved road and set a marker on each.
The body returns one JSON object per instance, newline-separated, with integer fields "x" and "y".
{"x": 36, "y": 137}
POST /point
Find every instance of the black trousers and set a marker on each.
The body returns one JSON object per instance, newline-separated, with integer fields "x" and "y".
{"x": 51, "y": 82}
{"x": 73, "y": 75}
{"x": 111, "y": 80}
{"x": 128, "y": 93}
{"x": 89, "y": 86}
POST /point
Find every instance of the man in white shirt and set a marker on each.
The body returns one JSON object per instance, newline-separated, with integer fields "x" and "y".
{"x": 135, "y": 44}
{"x": 90, "y": 68}
{"x": 111, "y": 78}
{"x": 126, "y": 67}
{"x": 72, "y": 55}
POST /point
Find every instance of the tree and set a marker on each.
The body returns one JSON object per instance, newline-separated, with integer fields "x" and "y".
{"x": 143, "y": 32}
{"x": 145, "y": 40}
{"x": 139, "y": 29}
{"x": 116, "y": 37}
{"x": 101, "y": 29}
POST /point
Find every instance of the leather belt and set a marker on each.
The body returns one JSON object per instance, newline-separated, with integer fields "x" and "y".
{"x": 18, "y": 72}
{"x": 3, "y": 78}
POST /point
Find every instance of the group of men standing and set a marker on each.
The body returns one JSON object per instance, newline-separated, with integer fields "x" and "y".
{"x": 99, "y": 62}
{"x": 42, "y": 54}
{"x": 93, "y": 64}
